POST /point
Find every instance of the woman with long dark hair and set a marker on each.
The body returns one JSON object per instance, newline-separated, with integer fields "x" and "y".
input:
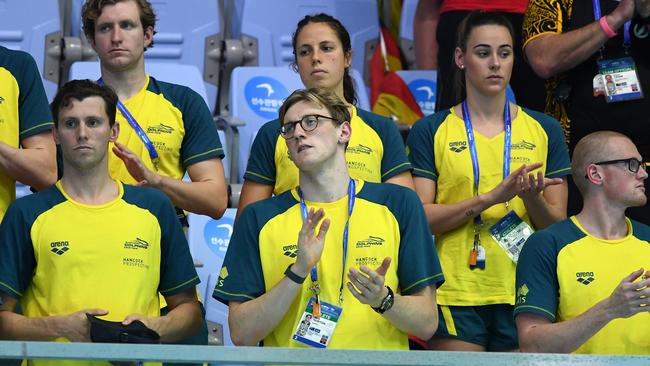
{"x": 488, "y": 173}
{"x": 323, "y": 57}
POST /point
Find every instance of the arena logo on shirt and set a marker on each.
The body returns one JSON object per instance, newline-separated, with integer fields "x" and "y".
{"x": 523, "y": 144}
{"x": 217, "y": 235}
{"x": 59, "y": 247}
{"x": 424, "y": 92}
{"x": 290, "y": 251}
{"x": 585, "y": 278}
{"x": 264, "y": 96}
{"x": 359, "y": 149}
{"x": 457, "y": 146}
{"x": 160, "y": 128}
{"x": 372, "y": 241}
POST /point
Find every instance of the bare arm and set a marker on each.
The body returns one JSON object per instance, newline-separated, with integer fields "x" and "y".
{"x": 550, "y": 54}
{"x": 182, "y": 321}
{"x": 425, "y": 26}
{"x": 34, "y": 163}
{"x": 414, "y": 314}
{"x": 206, "y": 194}
{"x": 538, "y": 334}
{"x": 402, "y": 179}
{"x": 252, "y": 192}
{"x": 74, "y": 327}
{"x": 446, "y": 217}
{"x": 252, "y": 321}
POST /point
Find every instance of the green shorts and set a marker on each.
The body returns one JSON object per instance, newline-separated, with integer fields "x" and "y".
{"x": 491, "y": 326}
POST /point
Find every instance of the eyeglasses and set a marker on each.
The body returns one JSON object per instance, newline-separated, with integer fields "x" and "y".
{"x": 308, "y": 123}
{"x": 633, "y": 164}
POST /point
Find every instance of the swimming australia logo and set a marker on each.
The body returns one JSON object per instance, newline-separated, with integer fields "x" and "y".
{"x": 136, "y": 244}
{"x": 522, "y": 291}
{"x": 290, "y": 251}
{"x": 59, "y": 247}
{"x": 370, "y": 242}
{"x": 523, "y": 145}
{"x": 161, "y": 128}
{"x": 359, "y": 149}
{"x": 585, "y": 278}
{"x": 457, "y": 146}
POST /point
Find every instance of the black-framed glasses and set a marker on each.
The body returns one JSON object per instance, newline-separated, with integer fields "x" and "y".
{"x": 633, "y": 164}
{"x": 308, "y": 123}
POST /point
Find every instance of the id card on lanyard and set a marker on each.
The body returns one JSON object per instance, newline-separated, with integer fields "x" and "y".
{"x": 617, "y": 78}
{"x": 477, "y": 255}
{"x": 153, "y": 154}
{"x": 320, "y": 318}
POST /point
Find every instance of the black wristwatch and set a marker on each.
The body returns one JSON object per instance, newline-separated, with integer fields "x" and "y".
{"x": 386, "y": 303}
{"x": 292, "y": 276}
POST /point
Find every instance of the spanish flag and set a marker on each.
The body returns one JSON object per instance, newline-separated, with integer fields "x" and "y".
{"x": 386, "y": 58}
{"x": 396, "y": 101}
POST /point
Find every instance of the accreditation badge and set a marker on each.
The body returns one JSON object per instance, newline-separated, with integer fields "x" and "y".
{"x": 620, "y": 79}
{"x": 511, "y": 233}
{"x": 317, "y": 331}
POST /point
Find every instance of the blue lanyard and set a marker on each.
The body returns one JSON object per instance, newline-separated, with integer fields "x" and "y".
{"x": 305, "y": 212}
{"x": 507, "y": 126}
{"x": 153, "y": 154}
{"x": 626, "y": 27}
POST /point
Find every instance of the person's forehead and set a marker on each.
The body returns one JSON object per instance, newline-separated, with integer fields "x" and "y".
{"x": 89, "y": 106}
{"x": 304, "y": 108}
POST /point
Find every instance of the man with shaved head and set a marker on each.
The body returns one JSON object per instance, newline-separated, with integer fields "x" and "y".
{"x": 582, "y": 284}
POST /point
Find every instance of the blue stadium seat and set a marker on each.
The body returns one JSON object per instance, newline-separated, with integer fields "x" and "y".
{"x": 182, "y": 28}
{"x": 24, "y": 25}
{"x": 267, "y": 27}
{"x": 422, "y": 84}
{"x": 361, "y": 89}
{"x": 406, "y": 32}
{"x": 255, "y": 97}
{"x": 187, "y": 75}
{"x": 208, "y": 240}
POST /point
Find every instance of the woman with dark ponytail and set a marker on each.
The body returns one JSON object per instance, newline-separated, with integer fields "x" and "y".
{"x": 323, "y": 57}
{"x": 488, "y": 172}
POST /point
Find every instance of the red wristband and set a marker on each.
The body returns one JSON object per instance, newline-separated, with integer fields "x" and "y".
{"x": 606, "y": 28}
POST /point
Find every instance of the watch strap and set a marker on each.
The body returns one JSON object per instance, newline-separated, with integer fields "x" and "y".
{"x": 386, "y": 303}
{"x": 294, "y": 277}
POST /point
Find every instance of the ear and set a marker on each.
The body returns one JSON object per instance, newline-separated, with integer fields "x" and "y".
{"x": 115, "y": 132}
{"x": 345, "y": 132}
{"x": 459, "y": 58}
{"x": 348, "y": 58}
{"x": 593, "y": 174}
{"x": 148, "y": 36}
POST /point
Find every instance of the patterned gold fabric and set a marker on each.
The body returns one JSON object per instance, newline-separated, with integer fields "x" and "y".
{"x": 549, "y": 16}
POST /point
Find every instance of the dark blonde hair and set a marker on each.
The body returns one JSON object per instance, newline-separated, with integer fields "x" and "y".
{"x": 321, "y": 97}
{"x": 92, "y": 10}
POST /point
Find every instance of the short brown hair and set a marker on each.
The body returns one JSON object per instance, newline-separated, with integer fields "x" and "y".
{"x": 92, "y": 10}
{"x": 80, "y": 90}
{"x": 321, "y": 97}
